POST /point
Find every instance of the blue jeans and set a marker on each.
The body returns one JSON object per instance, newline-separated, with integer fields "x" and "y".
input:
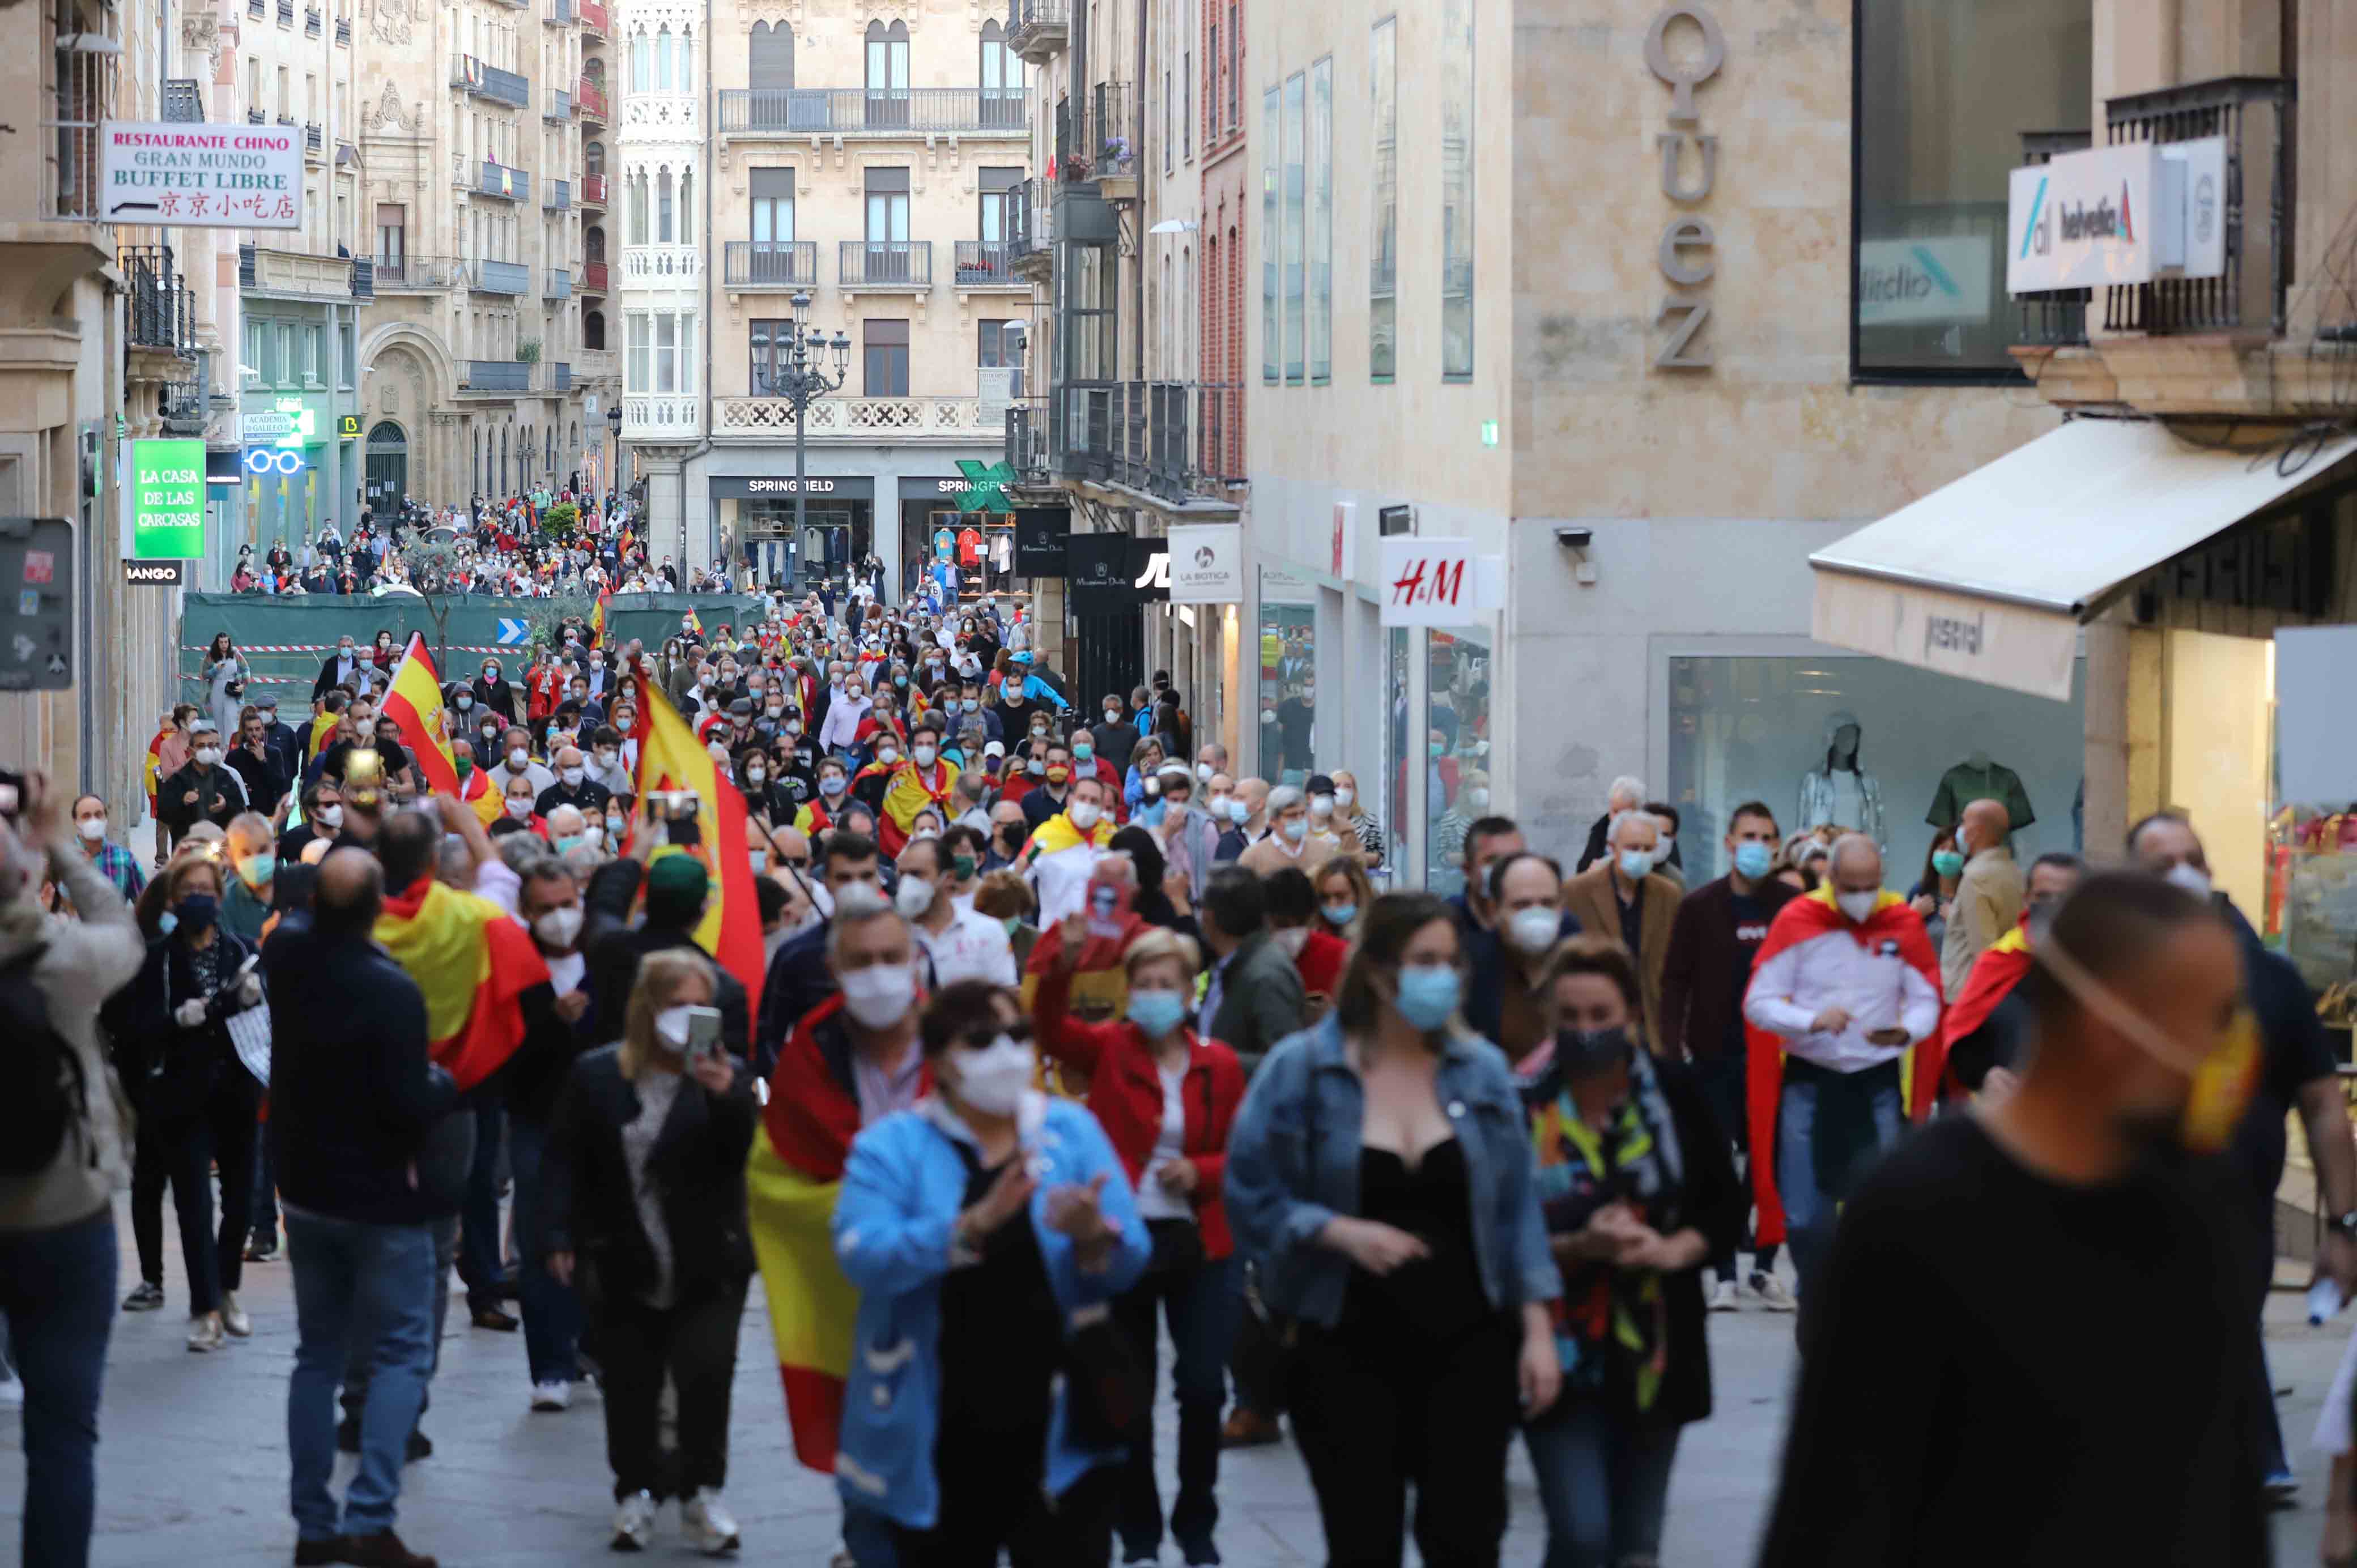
{"x": 1604, "y": 1481}
{"x": 552, "y": 1312}
{"x": 354, "y": 1279}
{"x": 1854, "y": 1117}
{"x": 265, "y": 1194}
{"x": 481, "y": 1259}
{"x": 57, "y": 1295}
{"x": 1198, "y": 1303}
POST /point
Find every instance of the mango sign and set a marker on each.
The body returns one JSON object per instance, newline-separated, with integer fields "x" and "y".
{"x": 202, "y": 176}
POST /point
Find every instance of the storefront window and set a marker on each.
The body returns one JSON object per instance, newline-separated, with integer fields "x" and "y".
{"x": 1895, "y": 752}
{"x": 1457, "y": 751}
{"x": 1288, "y": 678}
{"x": 1391, "y": 801}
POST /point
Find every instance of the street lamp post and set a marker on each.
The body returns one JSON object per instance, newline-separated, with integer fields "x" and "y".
{"x": 613, "y": 449}
{"x": 796, "y": 373}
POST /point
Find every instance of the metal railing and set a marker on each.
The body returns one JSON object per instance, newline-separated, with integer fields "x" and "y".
{"x": 497, "y": 277}
{"x": 489, "y": 82}
{"x": 160, "y": 309}
{"x": 1026, "y": 440}
{"x": 555, "y": 103}
{"x": 181, "y": 405}
{"x": 364, "y": 278}
{"x": 494, "y": 375}
{"x": 256, "y": 117}
{"x": 183, "y": 101}
{"x": 414, "y": 273}
{"x": 589, "y": 98}
{"x": 1151, "y": 437}
{"x": 1092, "y": 136}
{"x": 852, "y": 111}
{"x": 986, "y": 263}
{"x": 2258, "y": 117}
{"x": 2053, "y": 318}
{"x": 1036, "y": 29}
{"x": 885, "y": 264}
{"x": 508, "y": 184}
{"x": 285, "y": 13}
{"x": 593, "y": 278}
{"x": 1029, "y": 226}
{"x": 593, "y": 190}
{"x": 315, "y": 137}
{"x": 592, "y": 14}
{"x": 560, "y": 376}
{"x": 555, "y": 283}
{"x": 770, "y": 263}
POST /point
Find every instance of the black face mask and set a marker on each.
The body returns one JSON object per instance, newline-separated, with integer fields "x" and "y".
{"x": 1582, "y": 1053}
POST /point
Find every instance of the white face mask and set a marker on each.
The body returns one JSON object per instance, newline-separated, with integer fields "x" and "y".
{"x": 1322, "y": 805}
{"x": 2190, "y": 878}
{"x": 922, "y": 756}
{"x": 572, "y": 776}
{"x": 1859, "y": 906}
{"x": 559, "y": 927}
{"x": 519, "y": 809}
{"x": 879, "y": 996}
{"x": 605, "y": 758}
{"x": 1084, "y": 814}
{"x": 91, "y": 829}
{"x": 1296, "y": 830}
{"x": 912, "y": 896}
{"x": 992, "y": 1080}
{"x": 1533, "y": 930}
{"x": 1344, "y": 795}
{"x": 671, "y": 1027}
{"x": 208, "y": 754}
{"x": 519, "y": 759}
{"x": 330, "y": 817}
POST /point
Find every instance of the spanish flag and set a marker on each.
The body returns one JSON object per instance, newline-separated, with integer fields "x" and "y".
{"x": 693, "y": 621}
{"x": 473, "y": 963}
{"x": 670, "y": 758}
{"x": 598, "y": 621}
{"x": 413, "y": 701}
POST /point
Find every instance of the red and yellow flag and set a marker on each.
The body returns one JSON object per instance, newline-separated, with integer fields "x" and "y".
{"x": 598, "y": 621}
{"x": 413, "y": 701}
{"x": 473, "y": 963}
{"x": 670, "y": 758}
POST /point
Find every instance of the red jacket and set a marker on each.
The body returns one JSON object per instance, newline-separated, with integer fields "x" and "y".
{"x": 1125, "y": 1095}
{"x": 1321, "y": 962}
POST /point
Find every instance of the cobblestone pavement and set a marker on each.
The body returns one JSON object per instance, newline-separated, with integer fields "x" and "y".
{"x": 192, "y": 1462}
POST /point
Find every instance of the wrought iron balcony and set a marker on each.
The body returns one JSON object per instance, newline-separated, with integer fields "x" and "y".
{"x": 987, "y": 264}
{"x": 896, "y": 265}
{"x": 593, "y": 278}
{"x": 494, "y": 375}
{"x": 256, "y": 117}
{"x": 855, "y": 112}
{"x": 559, "y": 377}
{"x": 508, "y": 184}
{"x": 160, "y": 310}
{"x": 593, "y": 190}
{"x": 481, "y": 80}
{"x": 1037, "y": 29}
{"x": 183, "y": 101}
{"x": 285, "y": 13}
{"x": 1093, "y": 137}
{"x": 2258, "y": 117}
{"x": 498, "y": 277}
{"x": 1030, "y": 227}
{"x": 181, "y": 405}
{"x": 592, "y": 14}
{"x": 556, "y": 105}
{"x": 770, "y": 264}
{"x": 1171, "y": 440}
{"x": 414, "y": 273}
{"x": 1026, "y": 440}
{"x": 589, "y": 100}
{"x": 944, "y": 421}
{"x": 556, "y": 194}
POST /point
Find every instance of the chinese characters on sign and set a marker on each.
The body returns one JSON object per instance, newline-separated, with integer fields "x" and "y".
{"x": 202, "y": 176}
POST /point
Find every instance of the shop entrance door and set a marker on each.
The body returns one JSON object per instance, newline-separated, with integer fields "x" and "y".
{"x": 388, "y": 466}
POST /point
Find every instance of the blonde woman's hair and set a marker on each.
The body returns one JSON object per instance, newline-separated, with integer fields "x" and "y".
{"x": 1353, "y": 867}
{"x": 1156, "y": 942}
{"x": 661, "y": 974}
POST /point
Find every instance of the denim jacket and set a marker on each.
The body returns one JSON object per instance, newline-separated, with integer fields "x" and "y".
{"x": 1292, "y": 1165}
{"x": 902, "y": 1194}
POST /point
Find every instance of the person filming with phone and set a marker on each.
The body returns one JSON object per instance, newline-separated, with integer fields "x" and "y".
{"x": 643, "y": 1185}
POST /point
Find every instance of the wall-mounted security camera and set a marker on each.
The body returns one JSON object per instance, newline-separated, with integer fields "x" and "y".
{"x": 1577, "y": 540}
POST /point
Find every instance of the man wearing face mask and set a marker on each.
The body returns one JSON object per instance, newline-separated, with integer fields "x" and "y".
{"x": 924, "y": 780}
{"x": 573, "y": 787}
{"x": 340, "y": 667}
{"x": 114, "y": 862}
{"x": 1227, "y": 812}
{"x": 1989, "y": 892}
{"x": 1065, "y": 846}
{"x": 1843, "y": 987}
{"x": 2071, "y": 1183}
{"x": 677, "y": 888}
{"x": 1624, "y": 897}
{"x": 323, "y": 817}
{"x": 1504, "y": 1000}
{"x": 1713, "y": 942}
{"x": 206, "y": 790}
{"x": 1116, "y": 737}
{"x": 558, "y": 1027}
{"x": 1008, "y": 833}
{"x": 515, "y": 762}
{"x": 1987, "y": 1027}
{"x": 607, "y": 770}
{"x": 1051, "y": 785}
{"x": 959, "y": 943}
{"x": 2295, "y": 1070}
{"x": 257, "y": 765}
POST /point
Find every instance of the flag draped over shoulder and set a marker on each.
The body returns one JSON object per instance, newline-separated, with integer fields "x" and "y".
{"x": 473, "y": 963}
{"x": 670, "y": 758}
{"x": 413, "y": 701}
{"x": 1804, "y": 920}
{"x": 1993, "y": 975}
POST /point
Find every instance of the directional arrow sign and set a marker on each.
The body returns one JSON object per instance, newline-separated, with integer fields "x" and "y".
{"x": 514, "y": 633}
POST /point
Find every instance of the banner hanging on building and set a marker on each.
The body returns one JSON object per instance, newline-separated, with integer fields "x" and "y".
{"x": 202, "y": 176}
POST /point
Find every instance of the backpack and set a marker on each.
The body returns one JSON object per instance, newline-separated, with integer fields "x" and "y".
{"x": 42, "y": 1087}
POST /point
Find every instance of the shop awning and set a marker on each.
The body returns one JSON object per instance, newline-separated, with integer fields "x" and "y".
{"x": 1990, "y": 577}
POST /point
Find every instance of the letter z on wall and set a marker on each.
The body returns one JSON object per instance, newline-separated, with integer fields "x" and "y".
{"x": 1686, "y": 251}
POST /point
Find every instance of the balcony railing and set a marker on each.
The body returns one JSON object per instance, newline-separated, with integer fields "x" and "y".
{"x": 182, "y": 405}
{"x": 1029, "y": 224}
{"x": 556, "y": 13}
{"x": 593, "y": 278}
{"x": 589, "y": 100}
{"x": 2055, "y": 319}
{"x": 885, "y": 264}
{"x": 183, "y": 101}
{"x": 160, "y": 310}
{"x": 555, "y": 283}
{"x": 489, "y": 82}
{"x": 663, "y": 416}
{"x": 414, "y": 273}
{"x": 1092, "y": 139}
{"x": 592, "y": 14}
{"x": 2258, "y": 117}
{"x": 256, "y": 117}
{"x": 559, "y": 377}
{"x": 508, "y": 184}
{"x": 1153, "y": 438}
{"x": 1036, "y": 29}
{"x": 364, "y": 278}
{"x": 956, "y": 421}
{"x": 285, "y": 13}
{"x": 661, "y": 266}
{"x": 556, "y": 194}
{"x": 987, "y": 264}
{"x": 556, "y": 105}
{"x": 851, "y": 111}
{"x": 494, "y": 375}
{"x": 1026, "y": 440}
{"x": 497, "y": 277}
{"x": 593, "y": 190}
{"x": 299, "y": 275}
{"x": 595, "y": 365}
{"x": 770, "y": 264}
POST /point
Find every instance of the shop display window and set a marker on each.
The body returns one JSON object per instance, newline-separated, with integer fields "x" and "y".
{"x": 1457, "y": 751}
{"x": 1288, "y": 678}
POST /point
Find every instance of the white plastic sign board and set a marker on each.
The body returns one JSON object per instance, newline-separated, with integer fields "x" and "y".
{"x": 1206, "y": 564}
{"x": 1429, "y": 582}
{"x": 202, "y": 176}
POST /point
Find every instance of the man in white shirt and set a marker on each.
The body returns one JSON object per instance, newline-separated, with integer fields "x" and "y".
{"x": 961, "y": 944}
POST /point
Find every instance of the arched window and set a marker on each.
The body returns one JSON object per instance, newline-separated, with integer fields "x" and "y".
{"x": 593, "y": 157}
{"x": 593, "y": 329}
{"x": 593, "y": 242}
{"x": 637, "y": 230}
{"x": 769, "y": 58}
{"x": 1002, "y": 79}
{"x": 686, "y": 59}
{"x": 663, "y": 59}
{"x": 687, "y": 208}
{"x": 640, "y": 81}
{"x": 888, "y": 73}
{"x": 663, "y": 208}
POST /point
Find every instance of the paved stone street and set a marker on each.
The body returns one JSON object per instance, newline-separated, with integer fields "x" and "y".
{"x": 192, "y": 1465}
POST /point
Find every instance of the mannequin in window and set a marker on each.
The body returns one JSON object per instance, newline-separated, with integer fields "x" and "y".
{"x": 1977, "y": 778}
{"x": 1841, "y": 792}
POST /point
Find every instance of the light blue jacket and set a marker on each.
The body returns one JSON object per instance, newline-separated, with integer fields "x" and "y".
{"x": 902, "y": 1190}
{"x": 1292, "y": 1165}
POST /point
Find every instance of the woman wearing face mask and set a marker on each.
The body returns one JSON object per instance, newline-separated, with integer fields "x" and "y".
{"x": 1166, "y": 1098}
{"x": 1353, "y": 817}
{"x": 1293, "y": 839}
{"x": 226, "y": 676}
{"x": 1380, "y": 1166}
{"x": 1146, "y": 764}
{"x": 986, "y": 1230}
{"x": 1639, "y": 1189}
{"x": 197, "y": 1101}
{"x": 1934, "y": 892}
{"x": 643, "y": 1184}
{"x": 1344, "y": 895}
{"x": 756, "y": 778}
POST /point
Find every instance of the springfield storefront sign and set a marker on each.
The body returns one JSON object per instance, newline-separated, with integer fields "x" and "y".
{"x": 202, "y": 176}
{"x": 167, "y": 500}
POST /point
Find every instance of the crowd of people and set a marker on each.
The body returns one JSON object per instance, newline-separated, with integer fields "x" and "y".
{"x": 1065, "y": 1036}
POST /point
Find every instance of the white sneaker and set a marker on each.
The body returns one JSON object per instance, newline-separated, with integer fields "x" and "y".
{"x": 711, "y": 1528}
{"x": 634, "y": 1522}
{"x": 205, "y": 1332}
{"x": 1722, "y": 1296}
{"x": 234, "y": 1318}
{"x": 1773, "y": 1293}
{"x": 554, "y": 1395}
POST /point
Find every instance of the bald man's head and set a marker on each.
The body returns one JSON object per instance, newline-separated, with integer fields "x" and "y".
{"x": 1985, "y": 826}
{"x": 350, "y": 894}
{"x": 1856, "y": 864}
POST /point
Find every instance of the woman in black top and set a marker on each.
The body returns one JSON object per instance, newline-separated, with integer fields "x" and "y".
{"x": 196, "y": 1102}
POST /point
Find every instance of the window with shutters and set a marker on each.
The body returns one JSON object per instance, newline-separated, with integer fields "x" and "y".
{"x": 769, "y": 58}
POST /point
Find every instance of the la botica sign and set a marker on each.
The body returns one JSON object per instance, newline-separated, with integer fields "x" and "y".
{"x": 202, "y": 176}
{"x": 1206, "y": 564}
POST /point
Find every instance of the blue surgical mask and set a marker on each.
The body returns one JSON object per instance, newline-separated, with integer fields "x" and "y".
{"x": 1156, "y": 1012}
{"x": 1341, "y": 914}
{"x": 1428, "y": 996}
{"x": 568, "y": 841}
{"x": 1636, "y": 864}
{"x": 1753, "y": 859}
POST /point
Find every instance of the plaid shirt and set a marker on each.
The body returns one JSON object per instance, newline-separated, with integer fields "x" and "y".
{"x": 119, "y": 866}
